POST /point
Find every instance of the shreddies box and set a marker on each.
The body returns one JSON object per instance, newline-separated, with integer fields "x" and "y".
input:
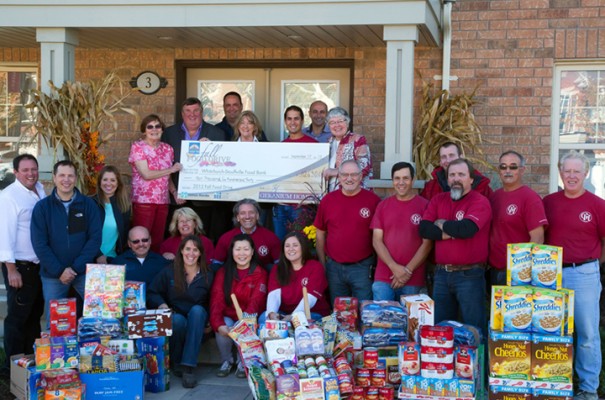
{"x": 421, "y": 311}
{"x": 547, "y": 266}
{"x": 518, "y": 264}
{"x": 495, "y": 320}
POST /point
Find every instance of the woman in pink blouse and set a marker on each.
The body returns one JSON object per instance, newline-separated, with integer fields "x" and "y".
{"x": 152, "y": 164}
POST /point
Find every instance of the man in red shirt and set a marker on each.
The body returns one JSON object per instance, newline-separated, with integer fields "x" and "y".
{"x": 459, "y": 223}
{"x": 401, "y": 251}
{"x": 245, "y": 216}
{"x": 576, "y": 220}
{"x": 449, "y": 152}
{"x": 518, "y": 215}
{"x": 344, "y": 237}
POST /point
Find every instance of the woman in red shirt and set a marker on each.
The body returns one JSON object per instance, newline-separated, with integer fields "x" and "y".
{"x": 295, "y": 269}
{"x": 243, "y": 276}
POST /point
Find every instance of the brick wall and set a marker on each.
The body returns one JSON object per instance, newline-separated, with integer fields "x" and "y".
{"x": 506, "y": 48}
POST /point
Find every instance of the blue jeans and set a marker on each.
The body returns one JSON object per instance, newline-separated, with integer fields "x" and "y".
{"x": 585, "y": 280}
{"x": 283, "y": 214}
{"x": 54, "y": 289}
{"x": 464, "y": 290}
{"x": 350, "y": 280}
{"x": 187, "y": 336}
{"x": 384, "y": 291}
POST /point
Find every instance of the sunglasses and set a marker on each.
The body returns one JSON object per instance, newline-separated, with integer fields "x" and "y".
{"x": 137, "y": 241}
{"x": 156, "y": 126}
{"x": 504, "y": 167}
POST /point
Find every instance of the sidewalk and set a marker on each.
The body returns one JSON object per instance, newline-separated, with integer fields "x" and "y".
{"x": 209, "y": 387}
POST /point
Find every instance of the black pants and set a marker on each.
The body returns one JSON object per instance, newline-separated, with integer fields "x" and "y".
{"x": 25, "y": 307}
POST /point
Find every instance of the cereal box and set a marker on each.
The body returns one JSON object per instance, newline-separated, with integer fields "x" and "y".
{"x": 549, "y": 311}
{"x": 547, "y": 266}
{"x": 104, "y": 290}
{"x": 409, "y": 358}
{"x": 518, "y": 268}
{"x": 134, "y": 297}
{"x": 568, "y": 318}
{"x": 509, "y": 355}
{"x": 517, "y": 309}
{"x": 421, "y": 311}
{"x": 62, "y": 317}
{"x": 495, "y": 312}
{"x": 552, "y": 358}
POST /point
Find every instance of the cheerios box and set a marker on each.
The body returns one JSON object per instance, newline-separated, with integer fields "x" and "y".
{"x": 547, "y": 266}
{"x": 552, "y": 358}
{"x": 509, "y": 355}
{"x": 548, "y": 311}
{"x": 518, "y": 263}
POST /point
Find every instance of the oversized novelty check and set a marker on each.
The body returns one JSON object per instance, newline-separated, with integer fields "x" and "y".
{"x": 266, "y": 172}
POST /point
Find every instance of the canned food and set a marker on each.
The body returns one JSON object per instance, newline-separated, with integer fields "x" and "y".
{"x": 325, "y": 373}
{"x": 359, "y": 393}
{"x": 363, "y": 377}
{"x": 320, "y": 360}
{"x": 379, "y": 377}
{"x": 288, "y": 367}
{"x": 342, "y": 366}
{"x": 312, "y": 372}
{"x": 277, "y": 369}
{"x": 310, "y": 362}
{"x": 344, "y": 384}
{"x": 372, "y": 393}
{"x": 386, "y": 393}
{"x": 302, "y": 373}
{"x": 25, "y": 362}
{"x": 370, "y": 357}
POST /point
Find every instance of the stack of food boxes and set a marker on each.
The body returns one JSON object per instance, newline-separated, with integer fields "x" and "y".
{"x": 531, "y": 327}
{"x": 97, "y": 356}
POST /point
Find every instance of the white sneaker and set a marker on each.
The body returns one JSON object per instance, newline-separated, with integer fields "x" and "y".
{"x": 225, "y": 369}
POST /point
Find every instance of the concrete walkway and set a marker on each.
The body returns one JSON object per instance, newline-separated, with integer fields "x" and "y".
{"x": 209, "y": 387}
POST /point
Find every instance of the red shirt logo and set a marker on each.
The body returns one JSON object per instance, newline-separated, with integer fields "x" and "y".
{"x": 415, "y": 219}
{"x": 512, "y": 209}
{"x": 459, "y": 215}
{"x": 364, "y": 212}
{"x": 263, "y": 250}
{"x": 585, "y": 216}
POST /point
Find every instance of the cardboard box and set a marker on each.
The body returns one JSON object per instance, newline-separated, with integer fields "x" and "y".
{"x": 509, "y": 355}
{"x": 114, "y": 385}
{"x": 134, "y": 297}
{"x": 63, "y": 317}
{"x": 25, "y": 382}
{"x": 509, "y": 393}
{"x": 312, "y": 389}
{"x": 287, "y": 387}
{"x": 552, "y": 358}
{"x": 421, "y": 311}
{"x": 157, "y": 363}
{"x": 149, "y": 323}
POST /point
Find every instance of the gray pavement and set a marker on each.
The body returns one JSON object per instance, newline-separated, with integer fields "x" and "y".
{"x": 209, "y": 387}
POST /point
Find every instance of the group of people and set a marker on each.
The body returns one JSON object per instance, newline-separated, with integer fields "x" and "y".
{"x": 365, "y": 247}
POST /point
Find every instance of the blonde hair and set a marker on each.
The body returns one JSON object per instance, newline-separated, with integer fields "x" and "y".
{"x": 187, "y": 213}
{"x": 253, "y": 119}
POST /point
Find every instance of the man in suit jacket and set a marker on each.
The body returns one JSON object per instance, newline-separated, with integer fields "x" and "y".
{"x": 215, "y": 216}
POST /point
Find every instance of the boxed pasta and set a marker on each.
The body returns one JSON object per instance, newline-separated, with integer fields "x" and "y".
{"x": 548, "y": 312}
{"x": 518, "y": 264}
{"x": 552, "y": 358}
{"x": 547, "y": 266}
{"x": 509, "y": 355}
{"x": 517, "y": 309}
{"x": 568, "y": 318}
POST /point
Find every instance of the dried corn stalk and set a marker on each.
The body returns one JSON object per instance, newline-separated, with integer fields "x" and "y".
{"x": 61, "y": 116}
{"x": 444, "y": 118}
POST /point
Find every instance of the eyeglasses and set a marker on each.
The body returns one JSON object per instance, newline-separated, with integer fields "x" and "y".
{"x": 137, "y": 241}
{"x": 337, "y": 122}
{"x": 504, "y": 167}
{"x": 351, "y": 175}
{"x": 156, "y": 126}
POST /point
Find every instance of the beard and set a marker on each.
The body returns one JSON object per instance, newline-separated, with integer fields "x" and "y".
{"x": 456, "y": 193}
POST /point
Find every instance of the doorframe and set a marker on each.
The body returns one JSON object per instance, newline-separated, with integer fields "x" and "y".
{"x": 181, "y": 67}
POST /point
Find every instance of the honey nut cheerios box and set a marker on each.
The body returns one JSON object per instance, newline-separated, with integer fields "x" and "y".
{"x": 509, "y": 355}
{"x": 552, "y": 358}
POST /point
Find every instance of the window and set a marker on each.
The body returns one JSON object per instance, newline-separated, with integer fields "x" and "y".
{"x": 211, "y": 95}
{"x": 578, "y": 121}
{"x": 16, "y": 133}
